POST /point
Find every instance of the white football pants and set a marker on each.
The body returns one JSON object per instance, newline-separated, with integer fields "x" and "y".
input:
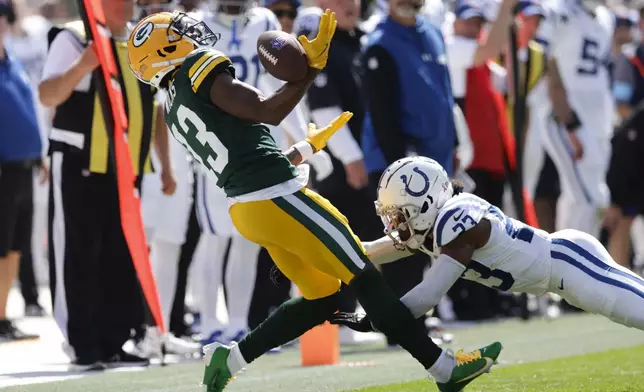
{"x": 584, "y": 274}
{"x": 166, "y": 222}
{"x": 583, "y": 183}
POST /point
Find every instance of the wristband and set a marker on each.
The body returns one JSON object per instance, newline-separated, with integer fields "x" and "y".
{"x": 573, "y": 124}
{"x": 305, "y": 149}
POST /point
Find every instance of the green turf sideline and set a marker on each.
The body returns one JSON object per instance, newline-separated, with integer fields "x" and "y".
{"x": 611, "y": 371}
{"x": 537, "y": 340}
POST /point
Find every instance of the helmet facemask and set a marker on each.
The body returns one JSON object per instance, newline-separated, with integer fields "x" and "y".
{"x": 401, "y": 226}
{"x": 198, "y": 32}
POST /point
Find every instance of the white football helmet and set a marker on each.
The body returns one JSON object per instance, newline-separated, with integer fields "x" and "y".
{"x": 410, "y": 193}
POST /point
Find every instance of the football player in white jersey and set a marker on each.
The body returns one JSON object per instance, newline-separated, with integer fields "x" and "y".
{"x": 579, "y": 121}
{"x": 239, "y": 24}
{"x": 471, "y": 239}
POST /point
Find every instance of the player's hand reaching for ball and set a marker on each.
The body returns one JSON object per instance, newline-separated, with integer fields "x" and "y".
{"x": 317, "y": 50}
{"x": 317, "y": 138}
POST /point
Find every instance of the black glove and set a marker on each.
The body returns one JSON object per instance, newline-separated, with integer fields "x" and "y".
{"x": 356, "y": 321}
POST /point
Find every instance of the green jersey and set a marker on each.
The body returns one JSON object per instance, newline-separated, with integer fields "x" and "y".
{"x": 241, "y": 154}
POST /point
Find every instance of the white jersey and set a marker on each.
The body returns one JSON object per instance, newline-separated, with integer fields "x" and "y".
{"x": 516, "y": 257}
{"x": 581, "y": 44}
{"x": 239, "y": 40}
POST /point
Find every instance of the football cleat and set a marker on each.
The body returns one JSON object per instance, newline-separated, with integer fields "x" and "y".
{"x": 471, "y": 365}
{"x": 216, "y": 374}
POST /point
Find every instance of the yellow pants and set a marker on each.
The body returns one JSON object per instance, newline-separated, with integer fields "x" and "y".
{"x": 307, "y": 237}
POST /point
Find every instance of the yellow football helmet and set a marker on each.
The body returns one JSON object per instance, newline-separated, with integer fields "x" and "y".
{"x": 160, "y": 43}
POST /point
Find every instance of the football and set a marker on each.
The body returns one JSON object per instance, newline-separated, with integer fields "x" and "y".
{"x": 282, "y": 56}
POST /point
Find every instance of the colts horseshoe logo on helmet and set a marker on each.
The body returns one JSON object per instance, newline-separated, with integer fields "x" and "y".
{"x": 407, "y": 182}
{"x": 142, "y": 34}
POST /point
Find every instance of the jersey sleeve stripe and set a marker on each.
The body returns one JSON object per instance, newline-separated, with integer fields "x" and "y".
{"x": 197, "y": 65}
{"x": 202, "y": 67}
{"x": 441, "y": 225}
{"x": 207, "y": 68}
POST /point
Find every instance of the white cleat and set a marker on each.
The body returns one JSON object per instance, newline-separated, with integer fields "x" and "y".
{"x": 175, "y": 345}
{"x": 151, "y": 346}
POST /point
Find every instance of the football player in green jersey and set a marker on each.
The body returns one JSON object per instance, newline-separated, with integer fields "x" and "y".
{"x": 220, "y": 120}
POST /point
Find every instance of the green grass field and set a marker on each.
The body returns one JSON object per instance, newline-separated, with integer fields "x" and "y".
{"x": 575, "y": 353}
{"x": 615, "y": 371}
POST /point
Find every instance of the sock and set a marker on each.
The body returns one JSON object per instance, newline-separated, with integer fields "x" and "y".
{"x": 443, "y": 367}
{"x": 235, "y": 361}
{"x": 164, "y": 258}
{"x": 289, "y": 321}
{"x": 210, "y": 263}
{"x": 240, "y": 281}
{"x": 392, "y": 317}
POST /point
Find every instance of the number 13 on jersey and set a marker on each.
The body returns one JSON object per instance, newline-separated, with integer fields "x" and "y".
{"x": 204, "y": 146}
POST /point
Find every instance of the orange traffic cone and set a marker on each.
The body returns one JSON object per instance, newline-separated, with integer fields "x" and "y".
{"x": 321, "y": 345}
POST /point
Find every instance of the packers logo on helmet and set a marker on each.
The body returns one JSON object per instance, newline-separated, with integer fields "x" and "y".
{"x": 159, "y": 44}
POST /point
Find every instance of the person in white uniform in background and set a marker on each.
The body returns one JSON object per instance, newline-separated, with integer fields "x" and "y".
{"x": 579, "y": 127}
{"x": 475, "y": 240}
{"x": 165, "y": 218}
{"x": 240, "y": 25}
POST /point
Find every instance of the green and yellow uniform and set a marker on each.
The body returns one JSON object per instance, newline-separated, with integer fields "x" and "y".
{"x": 307, "y": 237}
{"x": 242, "y": 154}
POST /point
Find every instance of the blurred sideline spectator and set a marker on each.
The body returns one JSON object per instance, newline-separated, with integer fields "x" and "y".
{"x": 579, "y": 120}
{"x": 540, "y": 173}
{"x": 624, "y": 174}
{"x": 472, "y": 77}
{"x": 166, "y": 216}
{"x": 28, "y": 42}
{"x": 97, "y": 297}
{"x": 433, "y": 10}
{"x": 20, "y": 153}
{"x": 286, "y": 11}
{"x": 409, "y": 107}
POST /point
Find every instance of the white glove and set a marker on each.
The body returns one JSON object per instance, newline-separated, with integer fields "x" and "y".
{"x": 322, "y": 164}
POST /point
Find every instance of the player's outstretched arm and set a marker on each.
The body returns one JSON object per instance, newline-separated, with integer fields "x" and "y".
{"x": 383, "y": 251}
{"x": 444, "y": 272}
{"x": 248, "y": 103}
{"x": 316, "y": 139}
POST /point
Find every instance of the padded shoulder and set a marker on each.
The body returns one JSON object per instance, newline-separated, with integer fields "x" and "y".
{"x": 459, "y": 214}
{"x": 202, "y": 63}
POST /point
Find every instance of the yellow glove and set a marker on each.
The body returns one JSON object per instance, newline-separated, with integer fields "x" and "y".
{"x": 317, "y": 51}
{"x": 317, "y": 138}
